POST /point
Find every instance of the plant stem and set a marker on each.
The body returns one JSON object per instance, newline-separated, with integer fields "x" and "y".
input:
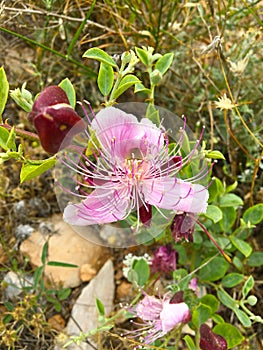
{"x": 33, "y": 42}
{"x": 23, "y": 133}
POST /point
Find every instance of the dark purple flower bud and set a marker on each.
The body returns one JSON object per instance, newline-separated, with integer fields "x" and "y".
{"x": 211, "y": 341}
{"x": 145, "y": 214}
{"x": 164, "y": 259}
{"x": 177, "y": 297}
{"x": 53, "y": 118}
{"x": 183, "y": 227}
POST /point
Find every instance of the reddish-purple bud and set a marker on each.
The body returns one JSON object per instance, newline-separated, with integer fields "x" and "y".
{"x": 183, "y": 227}
{"x": 53, "y": 118}
{"x": 211, "y": 341}
{"x": 164, "y": 259}
{"x": 145, "y": 214}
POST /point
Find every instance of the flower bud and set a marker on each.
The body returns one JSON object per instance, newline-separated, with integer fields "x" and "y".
{"x": 53, "y": 118}
{"x": 211, "y": 341}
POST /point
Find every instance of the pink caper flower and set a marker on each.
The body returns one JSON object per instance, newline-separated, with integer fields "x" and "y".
{"x": 160, "y": 316}
{"x": 53, "y": 118}
{"x": 133, "y": 170}
{"x": 211, "y": 341}
{"x": 164, "y": 259}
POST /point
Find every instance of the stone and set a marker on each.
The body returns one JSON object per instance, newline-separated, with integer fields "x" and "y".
{"x": 87, "y": 272}
{"x": 84, "y": 312}
{"x": 13, "y": 284}
{"x": 57, "y": 322}
{"x": 65, "y": 246}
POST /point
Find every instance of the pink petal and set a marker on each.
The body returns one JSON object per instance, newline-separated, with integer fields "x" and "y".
{"x": 149, "y": 308}
{"x": 122, "y": 135}
{"x": 100, "y": 207}
{"x": 172, "y": 314}
{"x": 174, "y": 194}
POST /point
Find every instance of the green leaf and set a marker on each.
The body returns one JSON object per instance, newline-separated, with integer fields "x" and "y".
{"x": 125, "y": 83}
{"x": 227, "y": 300}
{"x": 254, "y": 214}
{"x": 142, "y": 269}
{"x": 44, "y": 254}
{"x": 63, "y": 293}
{"x": 255, "y": 259}
{"x": 141, "y": 88}
{"x": 37, "y": 275}
{"x": 210, "y": 301}
{"x": 217, "y": 318}
{"x": 214, "y": 155}
{"x": 237, "y": 262}
{"x": 100, "y": 307}
{"x": 99, "y": 55}
{"x": 242, "y": 246}
{"x": 215, "y": 189}
{"x": 214, "y": 270}
{"x": 61, "y": 264}
{"x": 232, "y": 187}
{"x": 189, "y": 342}
{"x": 164, "y": 63}
{"x": 9, "y": 306}
{"x": 4, "y": 89}
{"x": 67, "y": 86}
{"x": 214, "y": 213}
{"x": 143, "y": 56}
{"x": 243, "y": 318}
{"x": 31, "y": 170}
{"x": 105, "y": 78}
{"x": 4, "y": 134}
{"x": 153, "y": 114}
{"x": 201, "y": 314}
{"x": 249, "y": 284}
{"x": 228, "y": 220}
{"x": 231, "y": 334}
{"x": 230, "y": 200}
{"x": 11, "y": 141}
{"x": 232, "y": 280}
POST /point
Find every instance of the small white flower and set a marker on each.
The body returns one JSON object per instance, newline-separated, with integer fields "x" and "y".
{"x": 224, "y": 103}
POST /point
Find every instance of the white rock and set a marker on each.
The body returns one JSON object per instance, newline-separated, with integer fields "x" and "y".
{"x": 84, "y": 312}
{"x": 13, "y": 284}
{"x": 65, "y": 246}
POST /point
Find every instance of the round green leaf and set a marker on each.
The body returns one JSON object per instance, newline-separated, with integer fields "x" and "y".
{"x": 231, "y": 334}
{"x": 241, "y": 245}
{"x": 214, "y": 213}
{"x": 201, "y": 314}
{"x": 255, "y": 259}
{"x": 230, "y": 200}
{"x": 211, "y": 301}
{"x": 228, "y": 220}
{"x": 254, "y": 215}
{"x": 232, "y": 280}
{"x": 214, "y": 270}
